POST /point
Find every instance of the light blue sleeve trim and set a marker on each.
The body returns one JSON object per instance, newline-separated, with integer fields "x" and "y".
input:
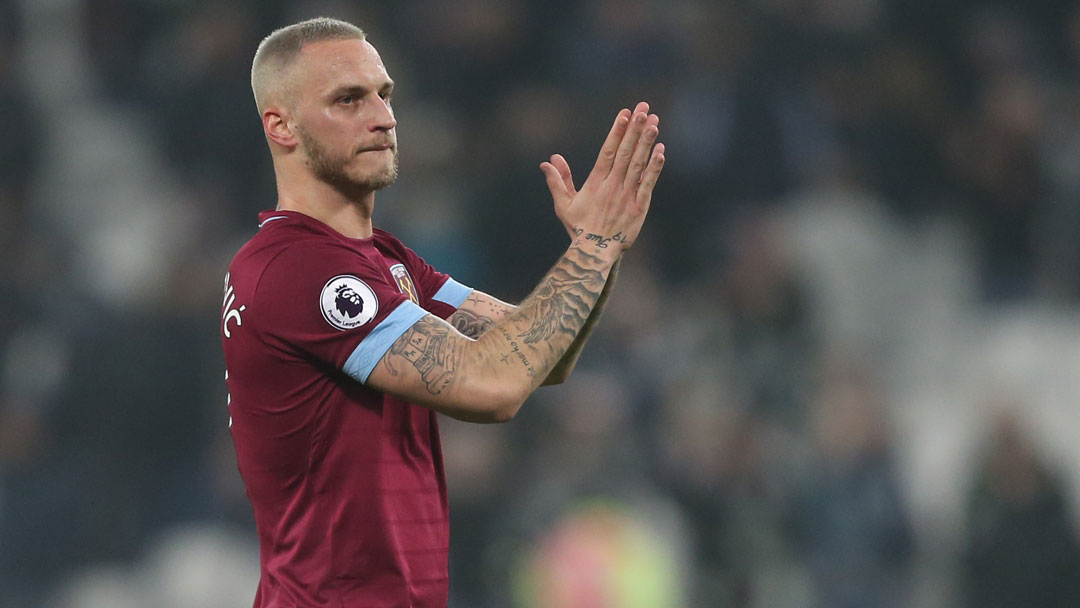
{"x": 452, "y": 293}
{"x": 374, "y": 346}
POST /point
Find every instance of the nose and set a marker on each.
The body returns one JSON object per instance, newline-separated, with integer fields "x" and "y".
{"x": 383, "y": 119}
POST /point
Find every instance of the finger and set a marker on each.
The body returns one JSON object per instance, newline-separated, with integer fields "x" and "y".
{"x": 627, "y": 146}
{"x": 607, "y": 152}
{"x": 555, "y": 184}
{"x": 649, "y": 177}
{"x": 641, "y": 153}
{"x": 564, "y": 170}
{"x": 641, "y": 108}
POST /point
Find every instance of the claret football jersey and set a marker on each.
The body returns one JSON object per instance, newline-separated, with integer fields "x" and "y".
{"x": 346, "y": 483}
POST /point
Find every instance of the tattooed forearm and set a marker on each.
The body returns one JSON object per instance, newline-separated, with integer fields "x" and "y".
{"x": 486, "y": 306}
{"x": 543, "y": 327}
{"x": 569, "y": 359}
{"x": 470, "y": 324}
{"x": 430, "y": 350}
{"x": 515, "y": 350}
{"x": 563, "y": 301}
{"x": 478, "y": 313}
{"x": 488, "y": 378}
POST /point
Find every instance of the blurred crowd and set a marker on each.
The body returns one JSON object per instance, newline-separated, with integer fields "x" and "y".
{"x": 838, "y": 370}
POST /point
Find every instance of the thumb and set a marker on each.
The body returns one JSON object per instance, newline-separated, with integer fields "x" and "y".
{"x": 556, "y": 185}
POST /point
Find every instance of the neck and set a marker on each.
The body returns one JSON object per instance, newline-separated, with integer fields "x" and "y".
{"x": 347, "y": 213}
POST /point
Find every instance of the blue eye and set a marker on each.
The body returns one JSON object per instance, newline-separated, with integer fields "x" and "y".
{"x": 348, "y": 99}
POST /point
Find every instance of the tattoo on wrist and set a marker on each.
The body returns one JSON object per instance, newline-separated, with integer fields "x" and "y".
{"x": 601, "y": 240}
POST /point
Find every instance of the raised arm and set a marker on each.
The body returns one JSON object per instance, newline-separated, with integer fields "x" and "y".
{"x": 481, "y": 312}
{"x": 487, "y": 379}
{"x": 566, "y": 364}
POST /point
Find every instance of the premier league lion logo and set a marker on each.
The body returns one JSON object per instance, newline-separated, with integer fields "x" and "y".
{"x": 348, "y": 302}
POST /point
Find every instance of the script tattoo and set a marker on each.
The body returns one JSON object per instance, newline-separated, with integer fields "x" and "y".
{"x": 602, "y": 241}
{"x": 516, "y": 350}
{"x": 431, "y": 351}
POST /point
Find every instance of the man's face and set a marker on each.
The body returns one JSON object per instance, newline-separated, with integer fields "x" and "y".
{"x": 343, "y": 116}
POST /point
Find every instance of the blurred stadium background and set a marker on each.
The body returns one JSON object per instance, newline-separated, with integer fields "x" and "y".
{"x": 841, "y": 370}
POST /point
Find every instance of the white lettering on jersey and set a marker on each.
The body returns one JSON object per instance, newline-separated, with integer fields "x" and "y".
{"x": 228, "y": 313}
{"x": 228, "y": 398}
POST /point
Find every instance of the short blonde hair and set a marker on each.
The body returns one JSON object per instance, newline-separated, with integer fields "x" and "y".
{"x": 278, "y": 51}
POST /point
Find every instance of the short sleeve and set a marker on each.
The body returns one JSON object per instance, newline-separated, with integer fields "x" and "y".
{"x": 442, "y": 294}
{"x": 332, "y": 306}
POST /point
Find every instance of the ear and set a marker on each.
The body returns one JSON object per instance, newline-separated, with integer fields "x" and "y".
{"x": 278, "y": 128}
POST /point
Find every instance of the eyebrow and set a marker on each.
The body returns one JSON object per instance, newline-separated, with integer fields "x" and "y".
{"x": 356, "y": 89}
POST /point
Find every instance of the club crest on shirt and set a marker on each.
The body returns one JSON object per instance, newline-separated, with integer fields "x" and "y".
{"x": 347, "y": 302}
{"x": 404, "y": 282}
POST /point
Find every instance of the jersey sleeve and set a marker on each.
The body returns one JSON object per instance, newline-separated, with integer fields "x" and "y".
{"x": 332, "y": 307}
{"x": 442, "y": 294}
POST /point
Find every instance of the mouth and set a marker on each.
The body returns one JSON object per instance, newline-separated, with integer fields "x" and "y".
{"x": 378, "y": 147}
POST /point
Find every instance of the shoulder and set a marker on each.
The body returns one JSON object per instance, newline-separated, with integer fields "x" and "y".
{"x": 398, "y": 249}
{"x": 313, "y": 281}
{"x": 282, "y": 247}
{"x": 283, "y": 262}
{"x": 387, "y": 240}
{"x": 312, "y": 261}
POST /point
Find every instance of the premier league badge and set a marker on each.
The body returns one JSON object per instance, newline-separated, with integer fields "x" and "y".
{"x": 347, "y": 302}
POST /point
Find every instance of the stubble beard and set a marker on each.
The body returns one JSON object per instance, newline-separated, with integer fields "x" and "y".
{"x": 333, "y": 170}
